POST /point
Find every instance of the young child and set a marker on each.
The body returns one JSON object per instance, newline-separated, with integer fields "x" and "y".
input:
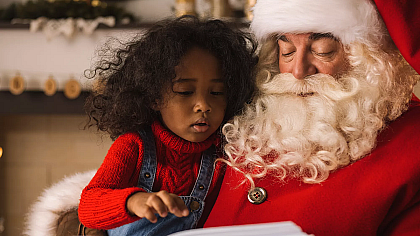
{"x": 163, "y": 99}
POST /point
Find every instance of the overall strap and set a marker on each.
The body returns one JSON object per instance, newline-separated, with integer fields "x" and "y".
{"x": 205, "y": 175}
{"x": 149, "y": 165}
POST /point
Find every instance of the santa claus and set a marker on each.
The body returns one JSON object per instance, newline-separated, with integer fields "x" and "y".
{"x": 331, "y": 140}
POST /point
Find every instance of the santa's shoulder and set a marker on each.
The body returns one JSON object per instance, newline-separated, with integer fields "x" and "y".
{"x": 405, "y": 127}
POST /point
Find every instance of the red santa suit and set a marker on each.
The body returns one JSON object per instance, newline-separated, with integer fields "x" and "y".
{"x": 377, "y": 195}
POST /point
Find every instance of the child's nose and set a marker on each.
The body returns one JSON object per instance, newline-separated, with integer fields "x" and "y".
{"x": 202, "y": 105}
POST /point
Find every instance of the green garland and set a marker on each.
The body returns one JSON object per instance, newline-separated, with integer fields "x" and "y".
{"x": 62, "y": 9}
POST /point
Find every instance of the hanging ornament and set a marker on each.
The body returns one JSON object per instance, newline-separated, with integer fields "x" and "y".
{"x": 17, "y": 84}
{"x": 50, "y": 86}
{"x": 72, "y": 89}
{"x": 185, "y": 7}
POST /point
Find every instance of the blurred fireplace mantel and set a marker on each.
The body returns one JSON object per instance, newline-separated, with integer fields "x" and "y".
{"x": 36, "y": 58}
{"x": 36, "y": 102}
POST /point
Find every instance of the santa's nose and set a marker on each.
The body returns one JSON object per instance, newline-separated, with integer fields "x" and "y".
{"x": 302, "y": 66}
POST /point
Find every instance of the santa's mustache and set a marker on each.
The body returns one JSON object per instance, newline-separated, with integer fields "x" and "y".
{"x": 318, "y": 84}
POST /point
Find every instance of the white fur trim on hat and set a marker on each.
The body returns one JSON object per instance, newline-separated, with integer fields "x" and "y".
{"x": 348, "y": 20}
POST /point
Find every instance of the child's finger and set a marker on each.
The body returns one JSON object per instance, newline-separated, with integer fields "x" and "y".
{"x": 175, "y": 204}
{"x": 181, "y": 206}
{"x": 148, "y": 213}
{"x": 168, "y": 200}
{"x": 158, "y": 205}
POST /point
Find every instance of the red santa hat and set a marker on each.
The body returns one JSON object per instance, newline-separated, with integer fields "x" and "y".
{"x": 348, "y": 20}
{"x": 402, "y": 18}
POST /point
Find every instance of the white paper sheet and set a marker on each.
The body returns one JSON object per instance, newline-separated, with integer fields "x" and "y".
{"x": 286, "y": 228}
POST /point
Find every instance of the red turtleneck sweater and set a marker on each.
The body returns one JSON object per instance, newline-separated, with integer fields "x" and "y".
{"x": 103, "y": 201}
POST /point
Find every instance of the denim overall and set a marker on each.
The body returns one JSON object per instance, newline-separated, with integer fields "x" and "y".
{"x": 194, "y": 202}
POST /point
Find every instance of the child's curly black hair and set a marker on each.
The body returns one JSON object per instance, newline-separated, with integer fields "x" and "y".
{"x": 130, "y": 83}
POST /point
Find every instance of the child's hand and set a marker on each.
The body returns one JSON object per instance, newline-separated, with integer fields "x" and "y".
{"x": 145, "y": 205}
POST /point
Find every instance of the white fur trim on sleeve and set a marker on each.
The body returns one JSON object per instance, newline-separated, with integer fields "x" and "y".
{"x": 62, "y": 196}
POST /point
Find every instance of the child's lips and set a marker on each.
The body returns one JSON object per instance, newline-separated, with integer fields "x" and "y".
{"x": 201, "y": 128}
{"x": 201, "y": 125}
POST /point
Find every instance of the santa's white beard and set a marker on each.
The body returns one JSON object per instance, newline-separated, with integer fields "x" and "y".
{"x": 304, "y": 128}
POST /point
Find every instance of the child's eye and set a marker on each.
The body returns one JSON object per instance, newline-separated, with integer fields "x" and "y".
{"x": 217, "y": 93}
{"x": 184, "y": 93}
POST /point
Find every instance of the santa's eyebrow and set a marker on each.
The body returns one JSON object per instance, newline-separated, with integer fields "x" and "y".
{"x": 313, "y": 37}
{"x": 283, "y": 38}
{"x": 316, "y": 36}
